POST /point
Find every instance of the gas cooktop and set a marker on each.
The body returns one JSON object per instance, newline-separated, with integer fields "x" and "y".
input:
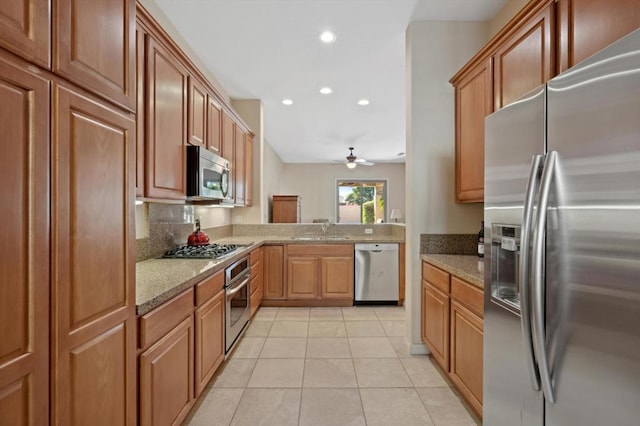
{"x": 206, "y": 251}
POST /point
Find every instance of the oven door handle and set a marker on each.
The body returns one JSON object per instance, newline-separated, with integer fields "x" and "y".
{"x": 237, "y": 288}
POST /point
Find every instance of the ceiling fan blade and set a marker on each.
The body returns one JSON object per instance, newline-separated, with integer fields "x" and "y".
{"x": 367, "y": 163}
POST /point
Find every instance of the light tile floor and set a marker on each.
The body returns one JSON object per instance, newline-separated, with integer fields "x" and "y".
{"x": 328, "y": 367}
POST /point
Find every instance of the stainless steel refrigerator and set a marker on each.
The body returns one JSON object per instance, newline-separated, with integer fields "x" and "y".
{"x": 562, "y": 249}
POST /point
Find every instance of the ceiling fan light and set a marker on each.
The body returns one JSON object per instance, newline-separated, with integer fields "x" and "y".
{"x": 351, "y": 165}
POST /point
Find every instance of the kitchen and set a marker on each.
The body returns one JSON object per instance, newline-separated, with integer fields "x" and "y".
{"x": 102, "y": 318}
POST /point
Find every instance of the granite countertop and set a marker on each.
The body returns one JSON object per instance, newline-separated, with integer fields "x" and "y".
{"x": 159, "y": 280}
{"x": 469, "y": 268}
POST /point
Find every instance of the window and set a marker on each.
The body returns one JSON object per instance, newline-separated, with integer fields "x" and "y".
{"x": 361, "y": 201}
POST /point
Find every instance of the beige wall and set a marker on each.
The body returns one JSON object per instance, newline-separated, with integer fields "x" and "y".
{"x": 435, "y": 52}
{"x": 272, "y": 169}
{"x": 316, "y": 183}
{"x": 504, "y": 15}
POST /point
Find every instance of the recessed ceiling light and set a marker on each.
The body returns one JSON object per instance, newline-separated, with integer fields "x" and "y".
{"x": 287, "y": 101}
{"x": 326, "y": 90}
{"x": 327, "y": 37}
{"x": 363, "y": 102}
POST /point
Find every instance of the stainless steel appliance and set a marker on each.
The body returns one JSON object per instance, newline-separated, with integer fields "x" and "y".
{"x": 206, "y": 251}
{"x": 208, "y": 176}
{"x": 237, "y": 309}
{"x": 562, "y": 249}
{"x": 376, "y": 274}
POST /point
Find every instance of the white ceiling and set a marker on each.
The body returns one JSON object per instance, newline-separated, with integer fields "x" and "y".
{"x": 269, "y": 50}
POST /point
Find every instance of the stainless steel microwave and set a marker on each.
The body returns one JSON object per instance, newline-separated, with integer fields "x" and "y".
{"x": 207, "y": 175}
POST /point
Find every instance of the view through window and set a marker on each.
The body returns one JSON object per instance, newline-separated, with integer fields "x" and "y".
{"x": 361, "y": 201}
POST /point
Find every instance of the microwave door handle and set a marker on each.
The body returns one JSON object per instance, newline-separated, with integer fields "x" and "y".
{"x": 523, "y": 278}
{"x": 238, "y": 287}
{"x": 538, "y": 269}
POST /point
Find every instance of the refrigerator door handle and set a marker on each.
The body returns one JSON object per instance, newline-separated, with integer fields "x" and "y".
{"x": 538, "y": 293}
{"x": 525, "y": 254}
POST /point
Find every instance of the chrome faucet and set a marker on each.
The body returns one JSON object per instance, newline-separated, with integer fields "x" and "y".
{"x": 324, "y": 228}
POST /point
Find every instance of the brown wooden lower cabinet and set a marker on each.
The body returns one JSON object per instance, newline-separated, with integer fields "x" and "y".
{"x": 322, "y": 271}
{"x": 273, "y": 272}
{"x": 466, "y": 354}
{"x": 452, "y": 329}
{"x": 166, "y": 377}
{"x": 209, "y": 344}
{"x": 435, "y": 323}
{"x": 256, "y": 286}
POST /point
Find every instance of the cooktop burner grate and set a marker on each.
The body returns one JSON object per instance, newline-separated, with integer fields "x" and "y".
{"x": 207, "y": 251}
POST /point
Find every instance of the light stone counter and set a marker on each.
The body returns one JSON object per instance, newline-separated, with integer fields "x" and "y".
{"x": 159, "y": 280}
{"x": 469, "y": 268}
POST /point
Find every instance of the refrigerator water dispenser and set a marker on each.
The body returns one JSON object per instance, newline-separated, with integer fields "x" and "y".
{"x": 505, "y": 256}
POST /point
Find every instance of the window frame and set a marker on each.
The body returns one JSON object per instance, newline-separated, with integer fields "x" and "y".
{"x": 361, "y": 180}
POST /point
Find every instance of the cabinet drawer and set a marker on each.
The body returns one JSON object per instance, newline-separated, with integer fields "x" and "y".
{"x": 256, "y": 299}
{"x": 468, "y": 295}
{"x": 161, "y": 320}
{"x": 209, "y": 287}
{"x": 256, "y": 256}
{"x": 256, "y": 270}
{"x": 255, "y": 283}
{"x": 436, "y": 277}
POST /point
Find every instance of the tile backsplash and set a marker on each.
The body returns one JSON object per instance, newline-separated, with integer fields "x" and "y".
{"x": 161, "y": 227}
{"x": 449, "y": 244}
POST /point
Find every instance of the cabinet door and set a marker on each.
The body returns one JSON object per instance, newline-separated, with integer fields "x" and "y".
{"x": 466, "y": 354}
{"x": 214, "y": 126}
{"x": 25, "y": 29}
{"x": 248, "y": 189}
{"x": 587, "y": 26}
{"x": 337, "y": 277}
{"x": 525, "y": 60}
{"x": 24, "y": 247}
{"x": 239, "y": 163}
{"x": 166, "y": 378}
{"x": 273, "y": 272}
{"x": 140, "y": 109}
{"x": 302, "y": 277}
{"x": 94, "y": 46}
{"x": 228, "y": 153}
{"x": 166, "y": 127}
{"x": 197, "y": 113}
{"x": 93, "y": 280}
{"x": 474, "y": 102}
{"x": 435, "y": 323}
{"x": 209, "y": 343}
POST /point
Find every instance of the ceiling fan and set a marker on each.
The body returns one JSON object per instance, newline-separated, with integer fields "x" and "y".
{"x": 353, "y": 161}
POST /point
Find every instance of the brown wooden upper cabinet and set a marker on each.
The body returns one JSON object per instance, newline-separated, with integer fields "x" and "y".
{"x": 525, "y": 59}
{"x": 94, "y": 46}
{"x": 197, "y": 113}
{"x": 24, "y": 251}
{"x": 544, "y": 38}
{"x": 166, "y": 123}
{"x": 474, "y": 101}
{"x": 214, "y": 125}
{"x": 248, "y": 189}
{"x": 239, "y": 165}
{"x": 587, "y": 26}
{"x": 140, "y": 108}
{"x": 25, "y": 29}
{"x": 93, "y": 306}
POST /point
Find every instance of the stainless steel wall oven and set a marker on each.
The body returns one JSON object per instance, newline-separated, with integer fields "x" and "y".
{"x": 237, "y": 312}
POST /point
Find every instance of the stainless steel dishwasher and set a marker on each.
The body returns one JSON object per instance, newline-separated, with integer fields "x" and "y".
{"x": 376, "y": 274}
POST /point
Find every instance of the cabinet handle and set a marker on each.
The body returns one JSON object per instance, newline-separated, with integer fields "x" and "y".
{"x": 525, "y": 240}
{"x": 539, "y": 338}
